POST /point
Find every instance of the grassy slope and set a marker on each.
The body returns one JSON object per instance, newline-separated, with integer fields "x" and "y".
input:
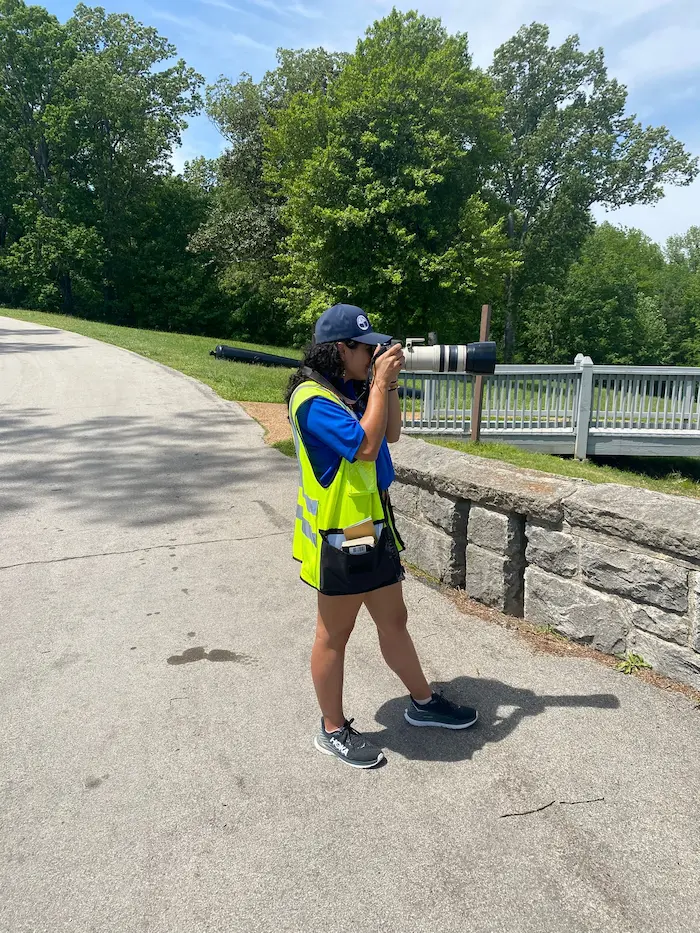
{"x": 245, "y": 383}
{"x": 234, "y": 381}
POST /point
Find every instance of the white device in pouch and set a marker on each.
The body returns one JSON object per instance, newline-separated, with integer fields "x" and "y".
{"x": 359, "y": 545}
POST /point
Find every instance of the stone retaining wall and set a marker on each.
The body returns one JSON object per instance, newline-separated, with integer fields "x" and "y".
{"x": 612, "y": 566}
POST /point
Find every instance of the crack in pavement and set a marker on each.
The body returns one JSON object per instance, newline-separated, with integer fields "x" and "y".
{"x": 136, "y": 550}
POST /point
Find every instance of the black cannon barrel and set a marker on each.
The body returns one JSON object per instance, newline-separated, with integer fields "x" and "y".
{"x": 222, "y": 352}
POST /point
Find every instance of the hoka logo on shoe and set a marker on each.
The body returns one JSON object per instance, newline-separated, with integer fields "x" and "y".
{"x": 339, "y": 745}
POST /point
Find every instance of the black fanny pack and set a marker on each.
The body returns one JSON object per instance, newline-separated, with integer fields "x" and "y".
{"x": 344, "y": 573}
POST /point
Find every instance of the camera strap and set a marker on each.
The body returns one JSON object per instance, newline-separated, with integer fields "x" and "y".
{"x": 322, "y": 381}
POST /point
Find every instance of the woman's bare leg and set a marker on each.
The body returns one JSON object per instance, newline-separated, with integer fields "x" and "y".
{"x": 387, "y": 608}
{"x": 334, "y": 625}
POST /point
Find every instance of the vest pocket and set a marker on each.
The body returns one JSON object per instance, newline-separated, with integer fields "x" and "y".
{"x": 361, "y": 478}
{"x": 343, "y": 574}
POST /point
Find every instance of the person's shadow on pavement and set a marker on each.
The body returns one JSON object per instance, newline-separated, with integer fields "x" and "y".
{"x": 434, "y": 744}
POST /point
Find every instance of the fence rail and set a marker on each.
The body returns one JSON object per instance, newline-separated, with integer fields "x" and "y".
{"x": 581, "y": 409}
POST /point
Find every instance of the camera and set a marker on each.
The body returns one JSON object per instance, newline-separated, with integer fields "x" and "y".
{"x": 478, "y": 358}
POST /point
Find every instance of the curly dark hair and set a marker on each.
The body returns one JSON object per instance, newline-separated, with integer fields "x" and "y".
{"x": 325, "y": 359}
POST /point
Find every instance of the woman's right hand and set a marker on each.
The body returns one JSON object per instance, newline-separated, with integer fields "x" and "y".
{"x": 388, "y": 365}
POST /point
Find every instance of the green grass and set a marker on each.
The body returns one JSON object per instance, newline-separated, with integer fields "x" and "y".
{"x": 233, "y": 381}
{"x": 678, "y": 477}
{"x": 286, "y": 448}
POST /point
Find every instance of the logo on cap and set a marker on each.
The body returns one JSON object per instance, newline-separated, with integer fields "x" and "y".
{"x": 362, "y": 322}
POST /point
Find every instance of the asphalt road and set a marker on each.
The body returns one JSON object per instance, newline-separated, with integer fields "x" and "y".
{"x": 157, "y": 770}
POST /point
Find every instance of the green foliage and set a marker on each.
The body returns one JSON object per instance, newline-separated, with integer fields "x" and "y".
{"x": 89, "y": 120}
{"x": 243, "y": 230}
{"x": 399, "y": 177}
{"x": 382, "y": 181}
{"x": 570, "y": 139}
{"x": 631, "y": 663}
{"x": 606, "y": 305}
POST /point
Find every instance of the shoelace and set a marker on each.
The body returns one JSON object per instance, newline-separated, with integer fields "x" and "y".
{"x": 348, "y": 730}
{"x": 443, "y": 701}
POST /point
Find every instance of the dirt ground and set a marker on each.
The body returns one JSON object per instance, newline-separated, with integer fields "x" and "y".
{"x": 273, "y": 417}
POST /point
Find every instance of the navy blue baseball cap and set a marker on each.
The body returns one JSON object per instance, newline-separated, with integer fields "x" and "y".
{"x": 346, "y": 322}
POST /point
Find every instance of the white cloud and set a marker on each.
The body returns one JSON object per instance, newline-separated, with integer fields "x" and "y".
{"x": 307, "y": 12}
{"x": 672, "y": 50}
{"x": 210, "y": 34}
{"x": 296, "y": 9}
{"x": 222, "y": 5}
{"x": 267, "y": 5}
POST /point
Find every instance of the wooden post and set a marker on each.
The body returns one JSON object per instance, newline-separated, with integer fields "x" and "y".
{"x": 478, "y": 397}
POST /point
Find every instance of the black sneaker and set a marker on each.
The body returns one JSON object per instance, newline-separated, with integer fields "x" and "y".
{"x": 440, "y": 712}
{"x": 349, "y": 746}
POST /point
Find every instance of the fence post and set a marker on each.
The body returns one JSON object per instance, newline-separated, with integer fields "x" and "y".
{"x": 478, "y": 383}
{"x": 687, "y": 409}
{"x": 585, "y": 403}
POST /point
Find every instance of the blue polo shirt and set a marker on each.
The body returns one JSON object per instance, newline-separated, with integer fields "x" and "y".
{"x": 330, "y": 433}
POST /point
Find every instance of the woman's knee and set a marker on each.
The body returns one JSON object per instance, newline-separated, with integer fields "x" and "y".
{"x": 336, "y": 619}
{"x": 333, "y": 636}
{"x": 393, "y": 623}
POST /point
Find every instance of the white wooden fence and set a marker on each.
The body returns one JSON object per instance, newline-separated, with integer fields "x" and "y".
{"x": 582, "y": 409}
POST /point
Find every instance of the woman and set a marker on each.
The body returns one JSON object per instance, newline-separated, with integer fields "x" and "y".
{"x": 345, "y": 537}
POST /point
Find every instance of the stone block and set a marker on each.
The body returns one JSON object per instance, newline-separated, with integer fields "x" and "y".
{"x": 671, "y": 660}
{"x": 443, "y": 511}
{"x": 496, "y": 531}
{"x": 486, "y": 482}
{"x": 432, "y": 550}
{"x": 577, "y": 611}
{"x": 665, "y": 625}
{"x": 404, "y": 498}
{"x": 427, "y": 505}
{"x": 552, "y": 550}
{"x": 495, "y": 580}
{"x": 695, "y": 611}
{"x": 627, "y": 573}
{"x": 658, "y": 521}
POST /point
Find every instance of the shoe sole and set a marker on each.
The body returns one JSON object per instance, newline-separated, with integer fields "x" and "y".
{"x": 353, "y": 764}
{"x": 439, "y": 725}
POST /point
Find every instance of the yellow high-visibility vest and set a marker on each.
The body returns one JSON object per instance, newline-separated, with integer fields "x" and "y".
{"x": 323, "y": 513}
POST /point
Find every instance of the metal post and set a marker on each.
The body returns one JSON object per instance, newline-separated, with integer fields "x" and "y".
{"x": 687, "y": 409}
{"x": 585, "y": 403}
{"x": 428, "y": 402}
{"x": 478, "y": 397}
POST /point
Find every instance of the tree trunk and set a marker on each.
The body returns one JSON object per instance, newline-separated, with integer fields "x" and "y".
{"x": 66, "y": 288}
{"x": 509, "y": 331}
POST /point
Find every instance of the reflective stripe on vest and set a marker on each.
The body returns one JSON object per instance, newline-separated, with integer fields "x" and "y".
{"x": 306, "y": 528}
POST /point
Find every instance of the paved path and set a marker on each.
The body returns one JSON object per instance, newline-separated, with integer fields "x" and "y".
{"x": 156, "y": 763}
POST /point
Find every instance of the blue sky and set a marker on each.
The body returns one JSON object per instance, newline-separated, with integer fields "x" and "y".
{"x": 653, "y": 46}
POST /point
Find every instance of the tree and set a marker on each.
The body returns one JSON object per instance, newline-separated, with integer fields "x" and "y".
{"x": 606, "y": 307}
{"x": 381, "y": 179}
{"x": 683, "y": 250}
{"x": 124, "y": 117}
{"x": 34, "y": 55}
{"x": 243, "y": 231}
{"x": 570, "y": 138}
{"x": 680, "y": 291}
{"x": 88, "y": 124}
